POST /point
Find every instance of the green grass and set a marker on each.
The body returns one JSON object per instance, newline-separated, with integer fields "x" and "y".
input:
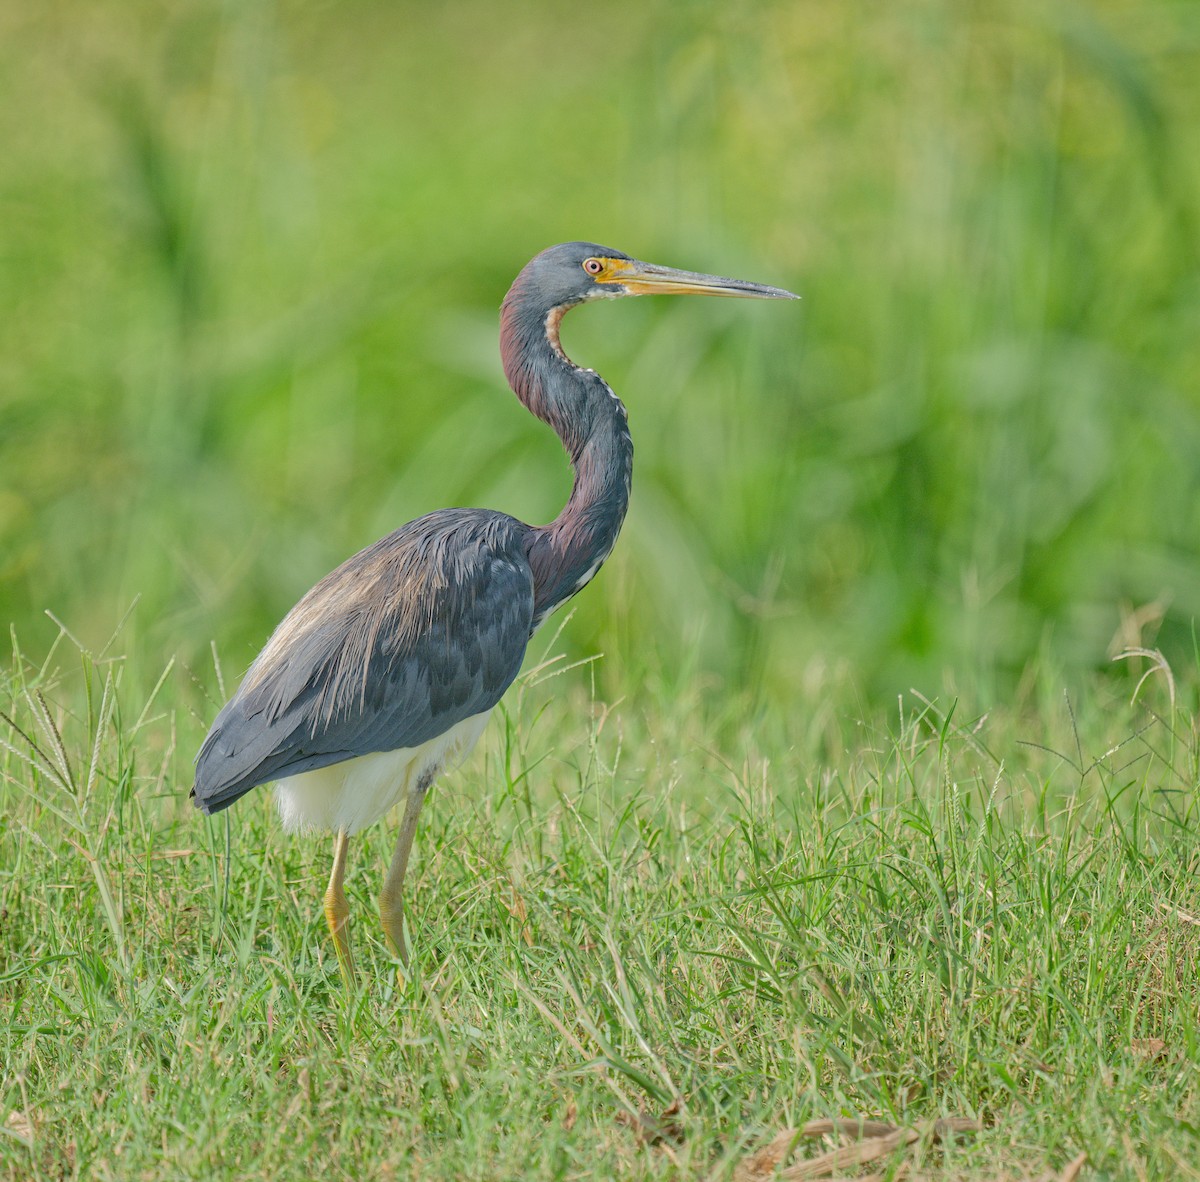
{"x": 902, "y": 917}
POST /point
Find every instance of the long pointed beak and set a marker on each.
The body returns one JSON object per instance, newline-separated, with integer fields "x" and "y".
{"x": 639, "y": 278}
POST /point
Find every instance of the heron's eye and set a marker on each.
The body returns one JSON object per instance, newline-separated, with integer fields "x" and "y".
{"x": 593, "y": 266}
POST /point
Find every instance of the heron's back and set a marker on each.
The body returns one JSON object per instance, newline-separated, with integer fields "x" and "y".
{"x": 404, "y": 641}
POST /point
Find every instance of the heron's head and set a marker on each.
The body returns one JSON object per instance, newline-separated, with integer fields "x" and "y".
{"x": 572, "y": 272}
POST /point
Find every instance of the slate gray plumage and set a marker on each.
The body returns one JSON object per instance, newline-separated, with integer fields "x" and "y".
{"x": 423, "y": 629}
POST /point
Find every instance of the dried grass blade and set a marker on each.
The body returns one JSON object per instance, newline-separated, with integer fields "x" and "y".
{"x": 848, "y": 1156}
{"x": 853, "y": 1127}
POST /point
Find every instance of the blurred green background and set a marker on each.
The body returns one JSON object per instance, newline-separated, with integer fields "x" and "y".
{"x": 251, "y": 256}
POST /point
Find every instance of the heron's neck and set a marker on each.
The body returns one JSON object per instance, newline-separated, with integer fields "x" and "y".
{"x": 592, "y": 424}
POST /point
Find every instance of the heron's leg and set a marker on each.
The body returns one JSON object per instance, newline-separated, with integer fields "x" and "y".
{"x": 391, "y": 899}
{"x": 337, "y": 911}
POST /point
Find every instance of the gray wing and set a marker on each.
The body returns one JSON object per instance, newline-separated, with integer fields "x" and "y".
{"x": 404, "y": 640}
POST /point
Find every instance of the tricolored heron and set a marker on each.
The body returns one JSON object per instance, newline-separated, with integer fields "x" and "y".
{"x": 387, "y": 670}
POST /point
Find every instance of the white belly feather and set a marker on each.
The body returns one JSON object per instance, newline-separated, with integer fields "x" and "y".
{"x": 355, "y": 793}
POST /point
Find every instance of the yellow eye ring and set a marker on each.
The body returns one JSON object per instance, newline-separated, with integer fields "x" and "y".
{"x": 593, "y": 266}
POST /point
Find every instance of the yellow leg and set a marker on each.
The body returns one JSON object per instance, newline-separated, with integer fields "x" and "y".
{"x": 391, "y": 899}
{"x": 337, "y": 911}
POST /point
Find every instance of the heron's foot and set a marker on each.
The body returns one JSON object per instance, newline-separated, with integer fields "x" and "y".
{"x": 337, "y": 912}
{"x": 337, "y": 916}
{"x": 391, "y": 898}
{"x": 391, "y": 914}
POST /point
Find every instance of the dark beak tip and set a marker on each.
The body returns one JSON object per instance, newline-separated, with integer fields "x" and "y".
{"x": 764, "y": 291}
